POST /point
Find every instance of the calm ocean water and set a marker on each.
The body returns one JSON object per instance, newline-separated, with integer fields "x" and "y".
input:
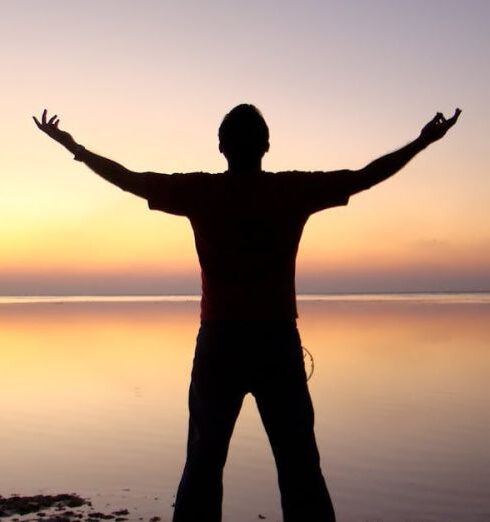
{"x": 93, "y": 400}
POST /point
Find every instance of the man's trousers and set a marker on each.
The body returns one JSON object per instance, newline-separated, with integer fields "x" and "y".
{"x": 264, "y": 358}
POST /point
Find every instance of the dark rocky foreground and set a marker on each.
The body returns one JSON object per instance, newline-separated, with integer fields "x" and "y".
{"x": 58, "y": 508}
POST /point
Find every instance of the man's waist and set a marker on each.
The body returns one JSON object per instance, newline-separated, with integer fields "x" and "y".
{"x": 248, "y": 310}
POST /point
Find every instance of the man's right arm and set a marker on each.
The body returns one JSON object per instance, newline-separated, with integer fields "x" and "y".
{"x": 111, "y": 171}
{"x": 322, "y": 190}
{"x": 388, "y": 165}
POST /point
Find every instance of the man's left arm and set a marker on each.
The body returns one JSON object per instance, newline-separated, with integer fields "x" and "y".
{"x": 384, "y": 167}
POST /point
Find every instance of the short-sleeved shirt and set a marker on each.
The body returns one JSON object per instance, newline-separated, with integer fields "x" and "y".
{"x": 247, "y": 231}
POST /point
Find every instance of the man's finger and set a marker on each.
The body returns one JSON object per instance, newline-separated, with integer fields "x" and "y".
{"x": 51, "y": 120}
{"x": 55, "y": 123}
{"x": 436, "y": 117}
{"x": 455, "y": 117}
{"x": 43, "y": 119}
{"x": 457, "y": 112}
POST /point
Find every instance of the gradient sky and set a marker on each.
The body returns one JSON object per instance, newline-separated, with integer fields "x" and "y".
{"x": 147, "y": 82}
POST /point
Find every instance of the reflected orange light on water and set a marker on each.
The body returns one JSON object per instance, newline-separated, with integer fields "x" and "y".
{"x": 92, "y": 352}
{"x": 406, "y": 343}
{"x": 107, "y": 345}
{"x": 399, "y": 378}
{"x": 96, "y": 392}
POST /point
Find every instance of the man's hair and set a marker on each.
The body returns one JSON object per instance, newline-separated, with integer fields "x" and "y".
{"x": 244, "y": 132}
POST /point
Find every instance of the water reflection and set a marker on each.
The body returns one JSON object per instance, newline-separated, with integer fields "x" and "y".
{"x": 93, "y": 400}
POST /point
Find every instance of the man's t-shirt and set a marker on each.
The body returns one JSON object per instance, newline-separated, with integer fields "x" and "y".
{"x": 247, "y": 231}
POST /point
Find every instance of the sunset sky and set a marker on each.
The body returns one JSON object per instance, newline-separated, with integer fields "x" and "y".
{"x": 147, "y": 83}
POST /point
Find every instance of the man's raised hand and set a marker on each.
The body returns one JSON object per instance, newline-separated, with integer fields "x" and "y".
{"x": 50, "y": 127}
{"x": 438, "y": 126}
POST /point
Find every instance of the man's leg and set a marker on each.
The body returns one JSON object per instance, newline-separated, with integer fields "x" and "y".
{"x": 286, "y": 410}
{"x": 215, "y": 400}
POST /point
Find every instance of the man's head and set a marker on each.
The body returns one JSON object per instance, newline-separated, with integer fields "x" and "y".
{"x": 243, "y": 135}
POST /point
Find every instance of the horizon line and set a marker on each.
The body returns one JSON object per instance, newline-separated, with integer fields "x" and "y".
{"x": 478, "y": 297}
{"x": 298, "y": 294}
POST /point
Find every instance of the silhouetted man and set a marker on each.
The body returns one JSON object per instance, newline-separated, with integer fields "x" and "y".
{"x": 247, "y": 225}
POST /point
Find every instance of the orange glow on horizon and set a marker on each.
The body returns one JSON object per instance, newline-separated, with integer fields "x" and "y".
{"x": 132, "y": 100}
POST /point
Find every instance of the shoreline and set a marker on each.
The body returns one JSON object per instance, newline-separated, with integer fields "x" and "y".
{"x": 62, "y": 507}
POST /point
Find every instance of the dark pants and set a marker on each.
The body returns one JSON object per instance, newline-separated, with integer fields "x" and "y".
{"x": 265, "y": 358}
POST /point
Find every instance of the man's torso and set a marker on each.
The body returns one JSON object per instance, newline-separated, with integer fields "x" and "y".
{"x": 247, "y": 231}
